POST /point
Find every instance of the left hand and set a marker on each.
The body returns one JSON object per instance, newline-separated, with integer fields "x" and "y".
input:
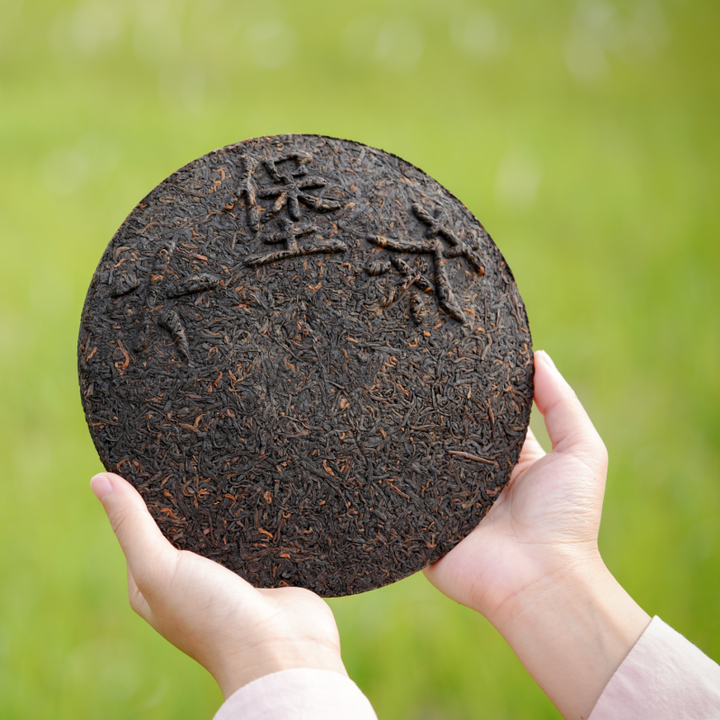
{"x": 237, "y": 632}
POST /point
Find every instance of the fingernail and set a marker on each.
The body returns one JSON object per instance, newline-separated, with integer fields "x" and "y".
{"x": 101, "y": 486}
{"x": 548, "y": 359}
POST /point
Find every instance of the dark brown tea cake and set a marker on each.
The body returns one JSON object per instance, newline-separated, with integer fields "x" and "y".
{"x": 310, "y": 359}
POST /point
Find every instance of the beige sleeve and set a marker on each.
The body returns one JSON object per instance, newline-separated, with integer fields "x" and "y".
{"x": 299, "y": 694}
{"x": 664, "y": 677}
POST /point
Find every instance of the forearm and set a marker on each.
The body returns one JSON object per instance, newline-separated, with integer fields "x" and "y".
{"x": 572, "y": 631}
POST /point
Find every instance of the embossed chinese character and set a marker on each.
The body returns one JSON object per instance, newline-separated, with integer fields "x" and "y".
{"x": 160, "y": 297}
{"x": 414, "y": 283}
{"x": 290, "y": 234}
{"x": 291, "y": 186}
{"x": 248, "y": 190}
{"x": 442, "y": 244}
{"x": 291, "y": 190}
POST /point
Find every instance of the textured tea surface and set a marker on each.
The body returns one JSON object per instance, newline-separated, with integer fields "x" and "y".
{"x": 310, "y": 359}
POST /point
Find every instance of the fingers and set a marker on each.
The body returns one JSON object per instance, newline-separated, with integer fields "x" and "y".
{"x": 530, "y": 453}
{"x": 567, "y": 423}
{"x": 136, "y": 599}
{"x": 140, "y": 538}
{"x": 531, "y": 449}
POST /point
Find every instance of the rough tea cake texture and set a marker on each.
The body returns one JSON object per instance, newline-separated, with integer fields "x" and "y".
{"x": 310, "y": 359}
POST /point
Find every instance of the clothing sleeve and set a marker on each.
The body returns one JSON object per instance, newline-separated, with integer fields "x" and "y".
{"x": 664, "y": 677}
{"x": 298, "y": 694}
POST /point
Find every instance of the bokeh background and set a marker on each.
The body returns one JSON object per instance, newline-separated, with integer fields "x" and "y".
{"x": 584, "y": 135}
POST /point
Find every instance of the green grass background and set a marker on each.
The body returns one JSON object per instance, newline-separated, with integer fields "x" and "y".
{"x": 583, "y": 134}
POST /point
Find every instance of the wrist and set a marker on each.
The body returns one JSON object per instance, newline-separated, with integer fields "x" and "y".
{"x": 235, "y": 670}
{"x": 571, "y": 630}
{"x": 569, "y": 572}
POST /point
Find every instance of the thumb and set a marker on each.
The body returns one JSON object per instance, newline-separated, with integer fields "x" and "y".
{"x": 568, "y": 425}
{"x": 144, "y": 546}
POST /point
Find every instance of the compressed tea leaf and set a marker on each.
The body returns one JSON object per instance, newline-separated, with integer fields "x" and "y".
{"x": 310, "y": 359}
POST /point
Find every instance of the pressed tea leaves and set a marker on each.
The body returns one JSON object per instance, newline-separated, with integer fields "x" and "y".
{"x": 310, "y": 359}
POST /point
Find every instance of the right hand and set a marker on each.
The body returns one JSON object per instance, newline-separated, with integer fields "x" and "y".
{"x": 546, "y": 518}
{"x": 532, "y": 566}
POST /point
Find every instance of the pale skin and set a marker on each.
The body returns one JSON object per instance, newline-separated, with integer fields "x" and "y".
{"x": 532, "y": 568}
{"x": 236, "y": 632}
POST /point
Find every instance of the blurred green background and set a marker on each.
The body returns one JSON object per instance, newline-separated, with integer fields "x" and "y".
{"x": 585, "y": 137}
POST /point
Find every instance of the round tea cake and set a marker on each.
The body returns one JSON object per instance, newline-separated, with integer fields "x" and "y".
{"x": 310, "y": 359}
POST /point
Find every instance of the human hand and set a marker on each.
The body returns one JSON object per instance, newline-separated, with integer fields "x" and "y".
{"x": 532, "y": 566}
{"x": 548, "y": 516}
{"x": 237, "y": 632}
